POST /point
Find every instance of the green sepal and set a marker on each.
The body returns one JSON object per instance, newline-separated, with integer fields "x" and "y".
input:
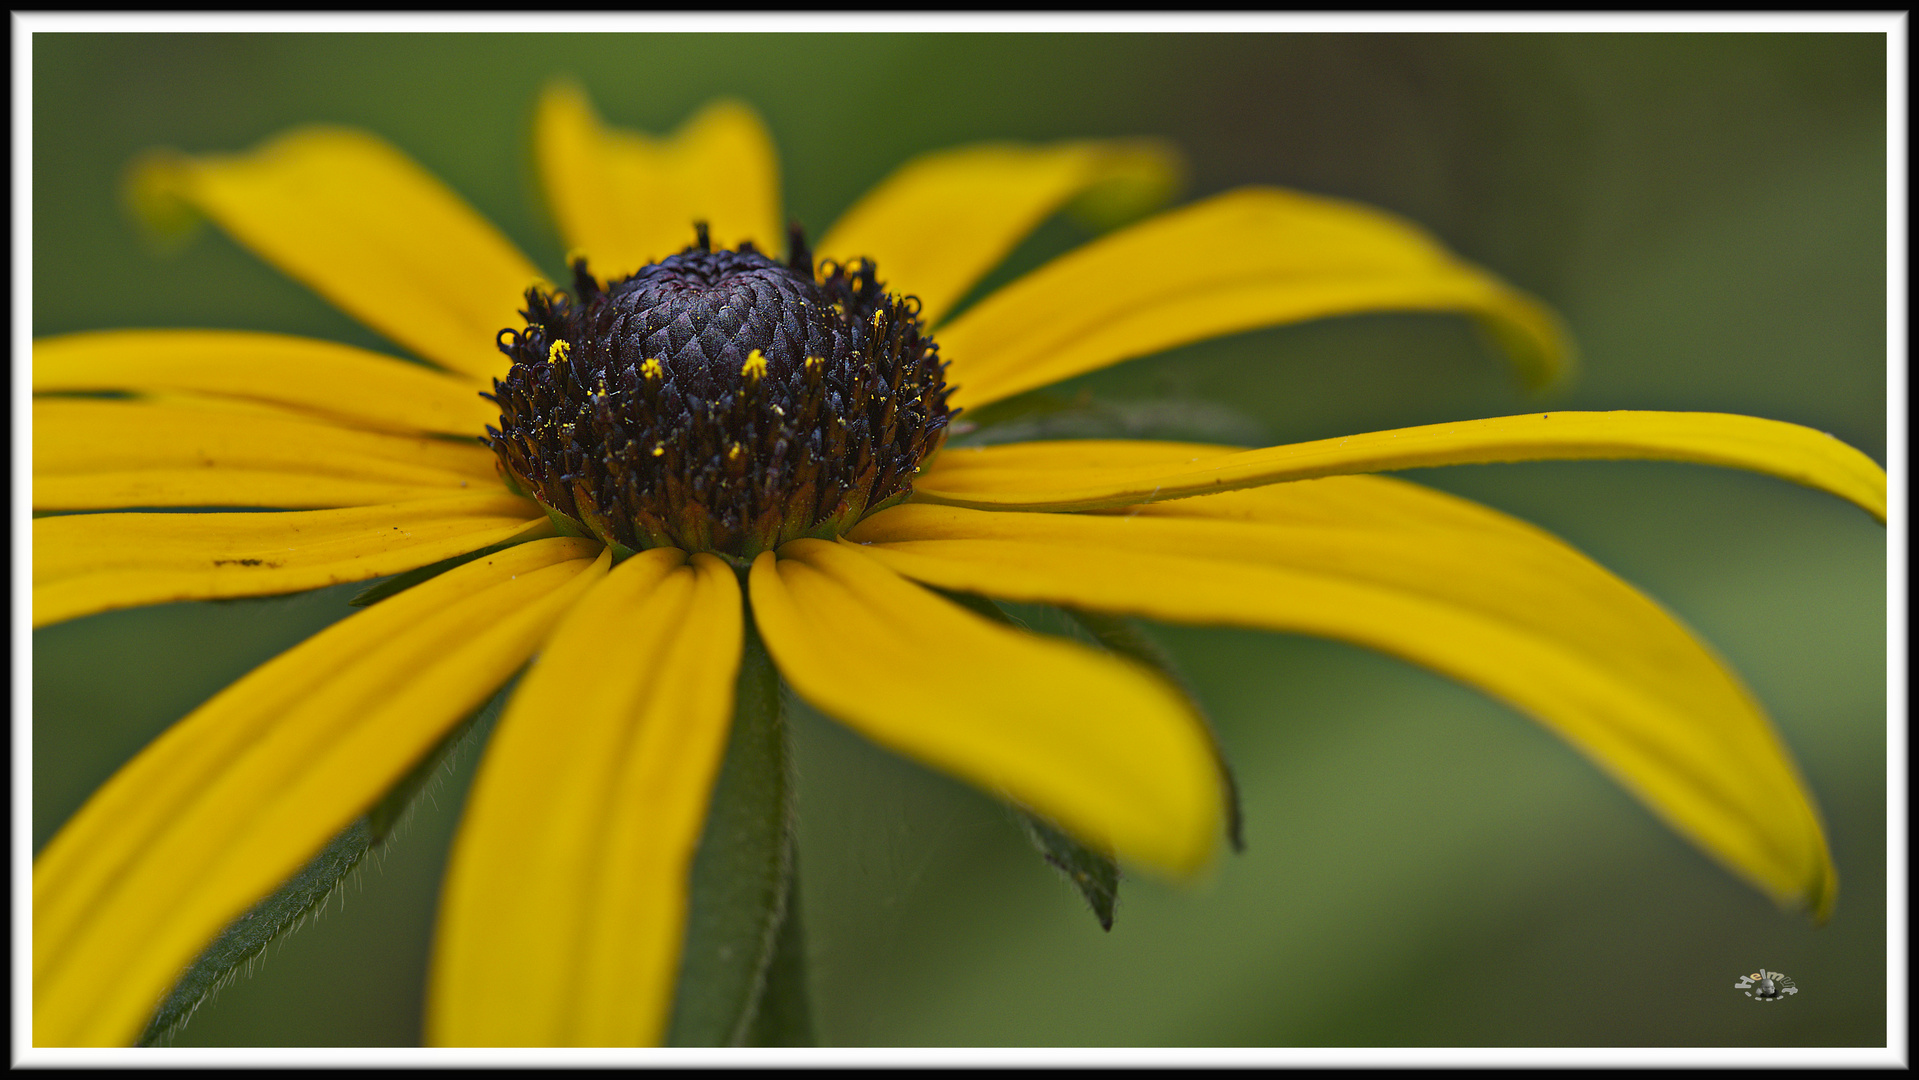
{"x": 567, "y": 526}
{"x": 1093, "y": 873}
{"x": 1122, "y": 635}
{"x": 513, "y": 483}
{"x": 1041, "y": 415}
{"x": 308, "y": 892}
{"x": 979, "y": 605}
{"x": 743, "y": 881}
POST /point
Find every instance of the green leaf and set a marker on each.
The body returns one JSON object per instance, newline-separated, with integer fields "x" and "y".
{"x": 307, "y": 893}
{"x": 743, "y": 879}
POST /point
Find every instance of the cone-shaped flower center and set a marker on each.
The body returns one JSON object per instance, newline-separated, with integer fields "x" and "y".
{"x": 719, "y": 400}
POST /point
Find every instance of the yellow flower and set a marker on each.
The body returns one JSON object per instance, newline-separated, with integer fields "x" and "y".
{"x": 566, "y": 899}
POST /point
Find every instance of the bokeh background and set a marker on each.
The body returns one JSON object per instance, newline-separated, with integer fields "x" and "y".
{"x": 1424, "y": 866}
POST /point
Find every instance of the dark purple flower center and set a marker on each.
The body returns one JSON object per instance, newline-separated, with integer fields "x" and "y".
{"x": 719, "y": 400}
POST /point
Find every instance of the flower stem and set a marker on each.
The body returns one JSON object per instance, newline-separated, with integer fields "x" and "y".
{"x": 738, "y": 925}
{"x": 785, "y": 1015}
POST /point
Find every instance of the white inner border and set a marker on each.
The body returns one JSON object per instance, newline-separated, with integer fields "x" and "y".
{"x": 1894, "y": 25}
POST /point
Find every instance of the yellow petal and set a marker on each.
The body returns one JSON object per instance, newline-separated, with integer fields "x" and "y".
{"x": 318, "y": 377}
{"x": 1093, "y": 474}
{"x": 942, "y": 220}
{"x": 371, "y": 231}
{"x": 1091, "y": 741}
{"x": 1492, "y": 602}
{"x": 220, "y": 487}
{"x": 86, "y": 563}
{"x": 624, "y": 199}
{"x": 77, "y": 437}
{"x": 233, "y": 799}
{"x": 1249, "y": 258}
{"x": 565, "y": 902}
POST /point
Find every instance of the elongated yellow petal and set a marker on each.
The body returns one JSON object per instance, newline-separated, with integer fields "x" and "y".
{"x": 1249, "y": 258}
{"x": 1090, "y": 475}
{"x": 221, "y": 487}
{"x": 942, "y": 220}
{"x": 86, "y": 563}
{"x": 318, "y": 377}
{"x": 565, "y": 901}
{"x": 371, "y": 231}
{"x": 1491, "y": 602}
{"x": 79, "y": 436}
{"x": 1095, "y": 743}
{"x": 625, "y": 199}
{"x": 234, "y": 798}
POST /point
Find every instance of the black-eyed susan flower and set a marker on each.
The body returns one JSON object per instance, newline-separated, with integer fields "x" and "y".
{"x": 691, "y": 446}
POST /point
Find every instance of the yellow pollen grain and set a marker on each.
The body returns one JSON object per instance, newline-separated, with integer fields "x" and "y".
{"x": 659, "y": 449}
{"x": 652, "y": 369}
{"x": 814, "y": 363}
{"x": 735, "y": 452}
{"x": 755, "y": 367}
{"x": 557, "y": 352}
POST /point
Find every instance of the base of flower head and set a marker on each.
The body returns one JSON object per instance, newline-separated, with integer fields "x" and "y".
{"x": 719, "y": 401}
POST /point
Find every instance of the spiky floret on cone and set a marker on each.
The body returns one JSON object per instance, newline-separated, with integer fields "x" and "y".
{"x": 719, "y": 400}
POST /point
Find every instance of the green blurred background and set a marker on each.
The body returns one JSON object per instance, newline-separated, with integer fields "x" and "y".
{"x": 1424, "y": 866}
